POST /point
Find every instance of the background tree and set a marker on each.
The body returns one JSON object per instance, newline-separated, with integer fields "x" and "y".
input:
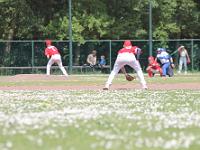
{"x": 97, "y": 19}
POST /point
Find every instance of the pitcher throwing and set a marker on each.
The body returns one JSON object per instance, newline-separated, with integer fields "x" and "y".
{"x": 53, "y": 55}
{"x": 126, "y": 56}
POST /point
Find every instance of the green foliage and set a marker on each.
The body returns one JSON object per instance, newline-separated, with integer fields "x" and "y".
{"x": 3, "y": 1}
{"x": 99, "y": 19}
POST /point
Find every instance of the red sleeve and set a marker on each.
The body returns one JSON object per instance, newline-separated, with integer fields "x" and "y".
{"x": 134, "y": 49}
{"x": 121, "y": 51}
{"x": 156, "y": 64}
{"x": 55, "y": 49}
{"x": 46, "y": 52}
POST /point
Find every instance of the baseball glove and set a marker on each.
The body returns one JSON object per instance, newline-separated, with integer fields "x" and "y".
{"x": 129, "y": 77}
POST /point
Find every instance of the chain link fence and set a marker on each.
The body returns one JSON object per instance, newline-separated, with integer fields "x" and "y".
{"x": 28, "y": 56}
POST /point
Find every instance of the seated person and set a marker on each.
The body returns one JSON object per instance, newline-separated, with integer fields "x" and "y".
{"x": 166, "y": 62}
{"x": 102, "y": 61}
{"x": 92, "y": 59}
{"x": 153, "y": 67}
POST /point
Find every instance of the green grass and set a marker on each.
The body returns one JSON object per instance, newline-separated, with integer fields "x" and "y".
{"x": 113, "y": 120}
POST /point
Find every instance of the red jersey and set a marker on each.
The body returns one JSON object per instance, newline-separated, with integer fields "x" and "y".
{"x": 51, "y": 50}
{"x": 154, "y": 65}
{"x": 125, "y": 50}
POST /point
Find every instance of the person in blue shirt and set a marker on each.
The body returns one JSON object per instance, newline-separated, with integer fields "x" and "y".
{"x": 166, "y": 62}
{"x": 102, "y": 61}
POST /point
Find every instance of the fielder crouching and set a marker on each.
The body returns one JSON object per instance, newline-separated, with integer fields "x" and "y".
{"x": 153, "y": 67}
{"x": 53, "y": 55}
{"x": 126, "y": 56}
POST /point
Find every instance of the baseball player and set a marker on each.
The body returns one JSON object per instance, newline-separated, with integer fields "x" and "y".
{"x": 166, "y": 62}
{"x": 153, "y": 67}
{"x": 126, "y": 56}
{"x": 184, "y": 58}
{"x": 53, "y": 55}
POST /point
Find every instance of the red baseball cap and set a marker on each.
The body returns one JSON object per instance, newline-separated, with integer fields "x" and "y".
{"x": 127, "y": 43}
{"x": 48, "y": 42}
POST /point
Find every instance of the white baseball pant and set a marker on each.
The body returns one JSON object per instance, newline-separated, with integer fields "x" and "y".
{"x": 127, "y": 59}
{"x": 182, "y": 61}
{"x": 56, "y": 59}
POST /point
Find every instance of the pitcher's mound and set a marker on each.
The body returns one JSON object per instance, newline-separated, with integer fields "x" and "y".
{"x": 35, "y": 77}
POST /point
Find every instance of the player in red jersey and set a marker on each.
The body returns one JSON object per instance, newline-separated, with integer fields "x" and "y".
{"x": 153, "y": 67}
{"x": 53, "y": 55}
{"x": 126, "y": 56}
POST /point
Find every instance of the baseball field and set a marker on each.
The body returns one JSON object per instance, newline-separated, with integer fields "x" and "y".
{"x": 59, "y": 113}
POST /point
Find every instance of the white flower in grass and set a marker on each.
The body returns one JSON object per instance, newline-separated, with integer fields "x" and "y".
{"x": 8, "y": 144}
{"x": 39, "y": 142}
{"x": 171, "y": 144}
{"x": 59, "y": 147}
{"x": 108, "y": 145}
{"x": 174, "y": 134}
{"x": 139, "y": 142}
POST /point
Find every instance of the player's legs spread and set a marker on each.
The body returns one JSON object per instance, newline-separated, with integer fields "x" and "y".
{"x": 117, "y": 66}
{"x": 136, "y": 66}
{"x": 155, "y": 70}
{"x": 49, "y": 64}
{"x": 59, "y": 62}
{"x": 56, "y": 58}
{"x": 165, "y": 68}
{"x": 150, "y": 73}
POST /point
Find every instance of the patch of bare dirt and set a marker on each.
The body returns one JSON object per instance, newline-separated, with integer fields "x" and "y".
{"x": 128, "y": 86}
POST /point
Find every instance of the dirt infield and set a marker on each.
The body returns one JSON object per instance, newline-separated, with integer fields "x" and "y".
{"x": 36, "y": 77}
{"x": 124, "y": 86}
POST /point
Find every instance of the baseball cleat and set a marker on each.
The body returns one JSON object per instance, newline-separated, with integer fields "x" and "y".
{"x": 144, "y": 87}
{"x": 105, "y": 88}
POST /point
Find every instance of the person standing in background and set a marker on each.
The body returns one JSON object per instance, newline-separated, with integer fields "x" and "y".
{"x": 184, "y": 59}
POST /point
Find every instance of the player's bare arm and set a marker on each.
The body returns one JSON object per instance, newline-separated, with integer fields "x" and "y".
{"x": 89, "y": 60}
{"x": 172, "y": 62}
{"x": 148, "y": 68}
{"x": 156, "y": 59}
{"x": 188, "y": 58}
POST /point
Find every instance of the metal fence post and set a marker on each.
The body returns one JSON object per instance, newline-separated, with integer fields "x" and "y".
{"x": 32, "y": 55}
{"x": 192, "y": 54}
{"x": 150, "y": 29}
{"x": 70, "y": 37}
{"x": 110, "y": 50}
